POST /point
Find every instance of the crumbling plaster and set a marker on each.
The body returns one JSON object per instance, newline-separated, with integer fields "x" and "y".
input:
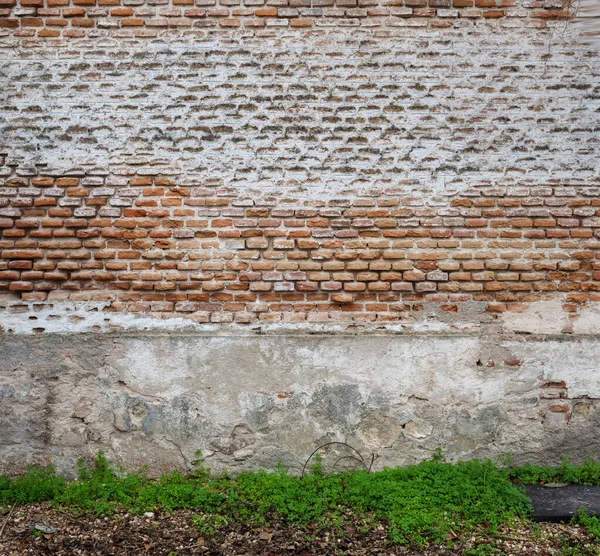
{"x": 251, "y": 398}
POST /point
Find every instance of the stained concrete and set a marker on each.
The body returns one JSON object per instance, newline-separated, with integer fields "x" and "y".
{"x": 250, "y": 400}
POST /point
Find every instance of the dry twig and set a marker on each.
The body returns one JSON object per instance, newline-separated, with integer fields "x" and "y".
{"x": 7, "y": 518}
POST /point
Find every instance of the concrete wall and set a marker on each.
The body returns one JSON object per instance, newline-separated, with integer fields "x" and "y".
{"x": 151, "y": 394}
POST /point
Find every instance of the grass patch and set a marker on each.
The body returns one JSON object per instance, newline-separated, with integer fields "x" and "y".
{"x": 588, "y": 473}
{"x": 421, "y": 503}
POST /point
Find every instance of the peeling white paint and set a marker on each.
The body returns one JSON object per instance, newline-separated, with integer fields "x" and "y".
{"x": 66, "y": 317}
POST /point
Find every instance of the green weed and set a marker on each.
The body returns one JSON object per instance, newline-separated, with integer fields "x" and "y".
{"x": 588, "y": 473}
{"x": 209, "y": 524}
{"x": 36, "y": 485}
{"x": 483, "y": 550}
{"x": 419, "y": 503}
{"x": 591, "y": 523}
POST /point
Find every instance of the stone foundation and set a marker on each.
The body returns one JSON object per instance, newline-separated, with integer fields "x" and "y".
{"x": 251, "y": 398}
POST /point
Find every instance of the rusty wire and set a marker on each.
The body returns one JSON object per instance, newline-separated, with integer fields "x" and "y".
{"x": 358, "y": 457}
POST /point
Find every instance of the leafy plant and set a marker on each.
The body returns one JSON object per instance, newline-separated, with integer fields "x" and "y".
{"x": 591, "y": 523}
{"x": 588, "y": 473}
{"x": 419, "y": 504}
{"x": 209, "y": 524}
{"x": 36, "y": 485}
{"x": 438, "y": 456}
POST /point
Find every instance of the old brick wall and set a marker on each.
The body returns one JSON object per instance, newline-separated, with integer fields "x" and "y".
{"x": 139, "y": 18}
{"x": 269, "y": 175}
{"x": 399, "y": 165}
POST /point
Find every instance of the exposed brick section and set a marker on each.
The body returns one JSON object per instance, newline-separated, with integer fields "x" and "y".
{"x": 76, "y": 18}
{"x": 292, "y": 175}
{"x": 151, "y": 243}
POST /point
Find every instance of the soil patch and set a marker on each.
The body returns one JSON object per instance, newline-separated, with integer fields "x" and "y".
{"x": 43, "y": 529}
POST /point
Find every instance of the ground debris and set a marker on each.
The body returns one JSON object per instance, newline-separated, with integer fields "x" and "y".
{"x": 41, "y": 529}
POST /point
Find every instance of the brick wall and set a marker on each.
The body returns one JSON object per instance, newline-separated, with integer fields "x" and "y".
{"x": 292, "y": 175}
{"x": 254, "y": 228}
{"x": 78, "y": 18}
{"x": 588, "y": 14}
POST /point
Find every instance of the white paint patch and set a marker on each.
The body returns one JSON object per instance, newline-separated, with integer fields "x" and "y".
{"x": 542, "y": 317}
{"x": 575, "y": 362}
{"x": 588, "y": 321}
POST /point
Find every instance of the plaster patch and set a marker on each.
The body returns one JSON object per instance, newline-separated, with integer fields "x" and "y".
{"x": 248, "y": 401}
{"x": 541, "y": 317}
{"x": 588, "y": 321}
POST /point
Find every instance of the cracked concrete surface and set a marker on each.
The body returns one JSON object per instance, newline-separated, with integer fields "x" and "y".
{"x": 249, "y": 401}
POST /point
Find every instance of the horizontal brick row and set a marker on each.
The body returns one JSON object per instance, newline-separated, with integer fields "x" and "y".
{"x": 76, "y": 18}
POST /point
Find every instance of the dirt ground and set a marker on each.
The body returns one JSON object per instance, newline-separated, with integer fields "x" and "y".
{"x": 41, "y": 529}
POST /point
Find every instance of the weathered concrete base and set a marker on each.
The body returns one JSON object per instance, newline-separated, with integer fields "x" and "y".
{"x": 249, "y": 400}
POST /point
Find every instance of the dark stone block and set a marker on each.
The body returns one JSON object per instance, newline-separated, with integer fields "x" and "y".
{"x": 561, "y": 503}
